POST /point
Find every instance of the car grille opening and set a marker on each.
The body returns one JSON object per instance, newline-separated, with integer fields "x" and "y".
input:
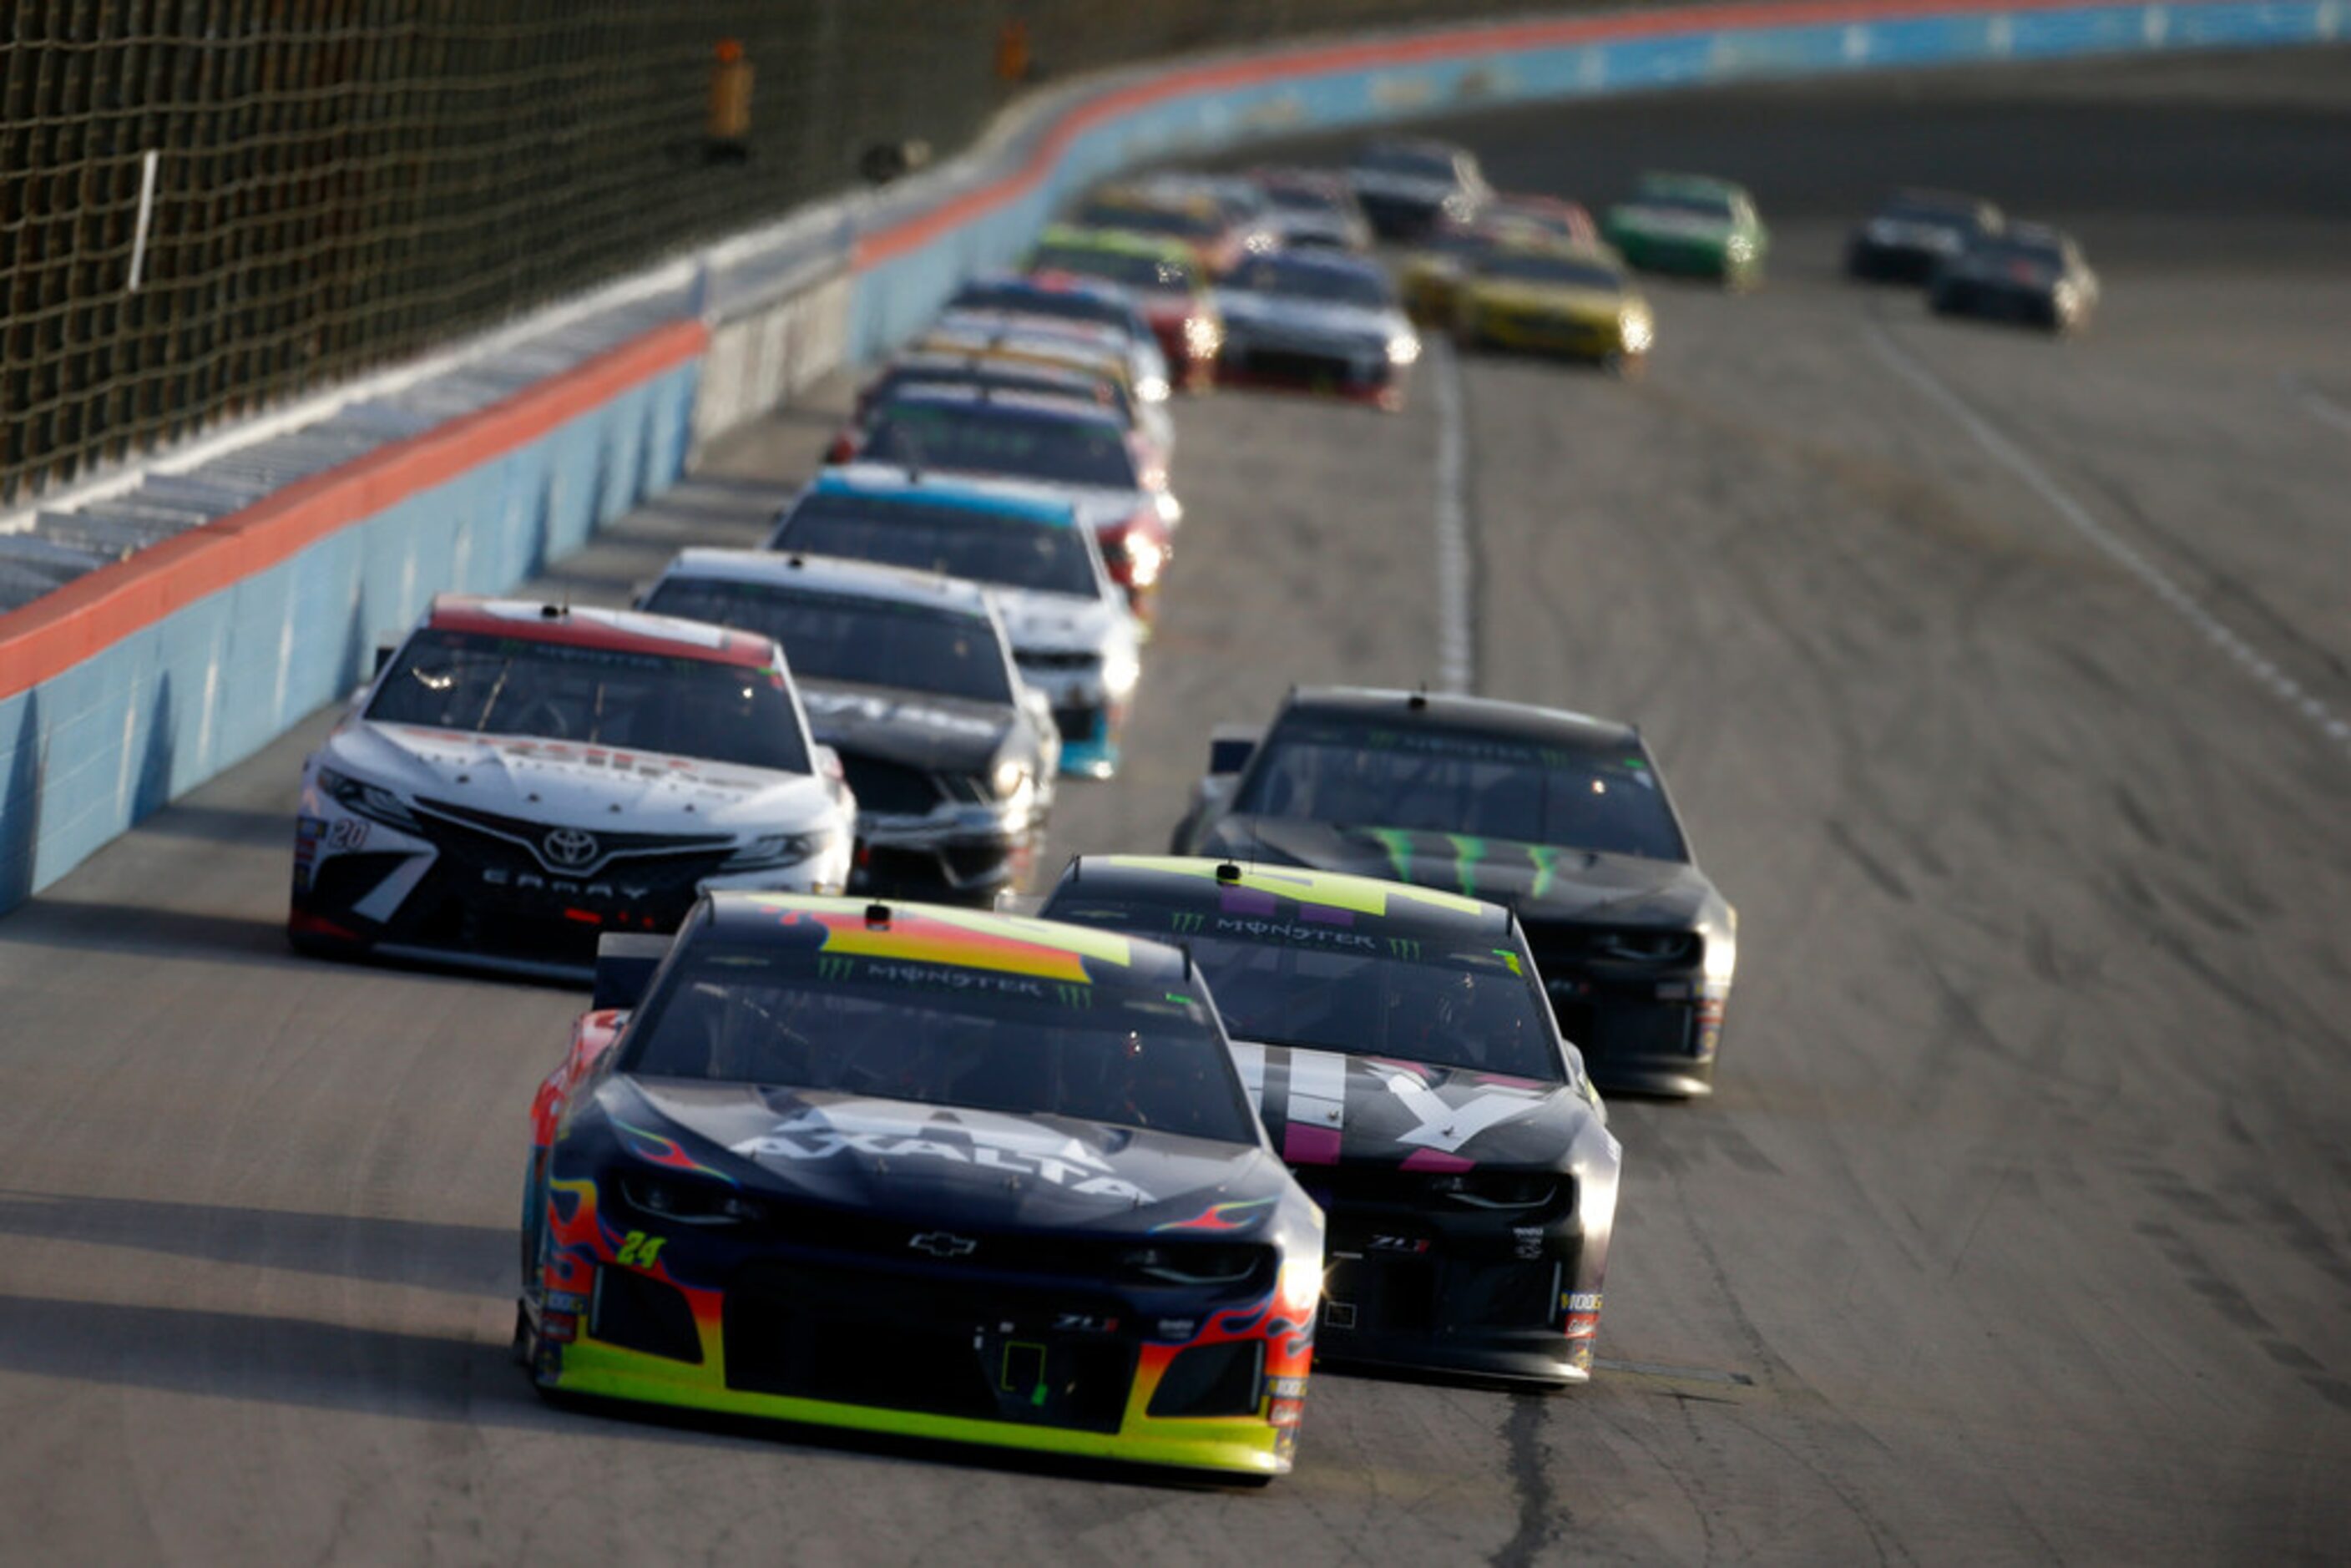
{"x": 1226, "y": 1379}
{"x": 636, "y": 1312}
{"x": 891, "y": 788}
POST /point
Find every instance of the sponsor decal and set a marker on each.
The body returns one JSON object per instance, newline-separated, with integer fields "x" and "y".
{"x": 1286, "y": 1387}
{"x": 1176, "y": 1328}
{"x": 1445, "y": 1127}
{"x": 1414, "y": 1245}
{"x": 967, "y": 1138}
{"x": 563, "y": 887}
{"x": 638, "y": 1251}
{"x": 1583, "y": 1301}
{"x": 1339, "y": 1314}
{"x": 558, "y": 1328}
{"x": 1527, "y": 1241}
{"x": 1294, "y": 932}
{"x": 569, "y": 849}
{"x": 566, "y": 1302}
{"x": 1084, "y": 1322}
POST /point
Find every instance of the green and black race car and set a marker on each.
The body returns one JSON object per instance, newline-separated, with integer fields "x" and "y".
{"x": 1692, "y": 225}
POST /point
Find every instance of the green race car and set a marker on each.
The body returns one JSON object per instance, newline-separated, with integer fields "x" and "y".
{"x": 1690, "y": 225}
{"x": 1168, "y": 281}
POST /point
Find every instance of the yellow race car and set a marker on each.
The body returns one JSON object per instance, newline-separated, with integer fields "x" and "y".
{"x": 1570, "y": 300}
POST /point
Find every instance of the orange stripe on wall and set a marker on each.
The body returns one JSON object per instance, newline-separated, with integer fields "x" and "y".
{"x": 91, "y": 614}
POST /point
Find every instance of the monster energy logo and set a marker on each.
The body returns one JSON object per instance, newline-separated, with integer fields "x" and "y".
{"x": 834, "y": 968}
{"x": 1188, "y": 922}
{"x": 1404, "y": 947}
{"x": 1074, "y": 996}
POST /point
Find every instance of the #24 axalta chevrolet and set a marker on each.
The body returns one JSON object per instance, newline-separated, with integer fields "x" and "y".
{"x": 520, "y": 778}
{"x": 1397, "y": 1043}
{"x": 932, "y": 1172}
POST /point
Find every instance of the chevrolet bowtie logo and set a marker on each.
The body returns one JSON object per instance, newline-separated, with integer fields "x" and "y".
{"x": 940, "y": 1244}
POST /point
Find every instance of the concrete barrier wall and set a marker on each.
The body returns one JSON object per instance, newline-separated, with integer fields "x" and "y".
{"x": 142, "y": 679}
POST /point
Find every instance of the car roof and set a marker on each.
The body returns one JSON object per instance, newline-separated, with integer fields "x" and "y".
{"x": 1443, "y": 710}
{"x": 1082, "y": 236}
{"x": 614, "y": 631}
{"x": 1370, "y": 906}
{"x": 1031, "y": 283}
{"x": 834, "y": 575}
{"x": 922, "y": 364}
{"x": 974, "y": 939}
{"x": 1338, "y": 261}
{"x": 1036, "y": 407}
{"x": 1199, "y": 203}
{"x": 894, "y": 482}
{"x": 1922, "y": 196}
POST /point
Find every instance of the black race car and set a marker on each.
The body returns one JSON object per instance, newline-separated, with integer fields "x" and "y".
{"x": 1561, "y": 816}
{"x": 1408, "y": 185}
{"x": 1396, "y": 1040}
{"x": 1914, "y": 232}
{"x": 925, "y": 1171}
{"x": 2029, "y": 273}
{"x": 908, "y": 676}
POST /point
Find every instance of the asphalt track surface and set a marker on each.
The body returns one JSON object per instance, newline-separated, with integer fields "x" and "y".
{"x": 2018, "y": 1229}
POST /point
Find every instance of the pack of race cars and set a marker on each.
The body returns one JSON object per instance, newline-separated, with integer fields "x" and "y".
{"x": 843, "y": 1141}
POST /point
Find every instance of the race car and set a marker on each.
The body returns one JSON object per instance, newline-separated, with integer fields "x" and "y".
{"x": 1169, "y": 286}
{"x": 1568, "y": 300}
{"x": 1692, "y": 225}
{"x": 1072, "y": 636}
{"x": 1008, "y": 370}
{"x": 1197, "y": 220}
{"x": 1559, "y": 219}
{"x": 2029, "y": 273}
{"x": 519, "y": 778}
{"x": 1429, "y": 275}
{"x": 1312, "y": 209}
{"x": 1399, "y": 1050}
{"x": 1075, "y": 449}
{"x": 937, "y": 1173}
{"x": 909, "y": 677}
{"x": 1408, "y": 185}
{"x": 1077, "y": 302}
{"x": 1321, "y": 320}
{"x": 1561, "y": 816}
{"x": 1914, "y": 232}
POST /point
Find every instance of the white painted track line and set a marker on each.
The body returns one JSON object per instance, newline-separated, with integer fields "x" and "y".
{"x": 1456, "y": 648}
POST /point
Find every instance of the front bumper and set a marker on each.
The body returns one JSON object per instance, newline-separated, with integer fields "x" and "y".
{"x": 1682, "y": 257}
{"x": 964, "y": 852}
{"x": 1332, "y": 372}
{"x": 1536, "y": 332}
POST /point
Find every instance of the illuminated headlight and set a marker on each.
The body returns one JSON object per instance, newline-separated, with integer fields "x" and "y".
{"x": 1403, "y": 349}
{"x": 1143, "y": 559}
{"x": 1739, "y": 247}
{"x": 1301, "y": 1280}
{"x": 1633, "y": 323}
{"x": 1171, "y": 510}
{"x": 1152, "y": 389}
{"x": 370, "y": 801}
{"x": 1121, "y": 670}
{"x": 1721, "y": 958}
{"x": 1202, "y": 337}
{"x": 1008, "y": 778}
{"x": 771, "y": 850}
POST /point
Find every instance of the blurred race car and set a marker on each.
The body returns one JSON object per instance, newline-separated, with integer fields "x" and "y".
{"x": 1430, "y": 274}
{"x": 1692, "y": 225}
{"x": 1007, "y": 370}
{"x": 1321, "y": 320}
{"x": 2029, "y": 273}
{"x": 521, "y": 776}
{"x": 1197, "y": 220}
{"x": 1510, "y": 214}
{"x": 1397, "y": 1046}
{"x": 1570, "y": 300}
{"x": 1165, "y": 278}
{"x": 1312, "y": 209}
{"x": 1406, "y": 186}
{"x": 1072, "y": 636}
{"x": 1561, "y": 816}
{"x": 1074, "y": 301}
{"x": 1914, "y": 232}
{"x": 909, "y": 677}
{"x": 1078, "y": 450}
{"x": 932, "y": 1172}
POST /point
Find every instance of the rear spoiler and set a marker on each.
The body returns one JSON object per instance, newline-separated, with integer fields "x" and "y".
{"x": 625, "y": 962}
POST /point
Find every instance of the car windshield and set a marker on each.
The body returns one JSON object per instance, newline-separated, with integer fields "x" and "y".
{"x": 998, "y": 378}
{"x": 1008, "y": 549}
{"x": 1420, "y": 163}
{"x": 1137, "y": 217}
{"x": 1301, "y": 198}
{"x": 1697, "y": 203}
{"x": 1132, "y": 271}
{"x": 1291, "y": 279}
{"x": 795, "y": 1014}
{"x": 1285, "y": 982}
{"x": 1060, "y": 304}
{"x": 488, "y": 684}
{"x": 1565, "y": 272}
{"x": 1019, "y": 444}
{"x": 845, "y": 637}
{"x": 2016, "y": 253}
{"x": 1462, "y": 782}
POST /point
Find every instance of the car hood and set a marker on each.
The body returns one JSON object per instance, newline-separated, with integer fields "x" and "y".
{"x": 1366, "y": 325}
{"x": 940, "y": 1164}
{"x": 1583, "y": 304}
{"x": 1540, "y": 881}
{"x": 1038, "y": 622}
{"x": 920, "y": 729}
{"x": 560, "y": 782}
{"x": 1666, "y": 222}
{"x": 1401, "y": 187}
{"x": 1328, "y": 1108}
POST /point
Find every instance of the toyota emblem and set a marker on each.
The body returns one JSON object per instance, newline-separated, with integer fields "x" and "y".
{"x": 569, "y": 849}
{"x": 940, "y": 1244}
